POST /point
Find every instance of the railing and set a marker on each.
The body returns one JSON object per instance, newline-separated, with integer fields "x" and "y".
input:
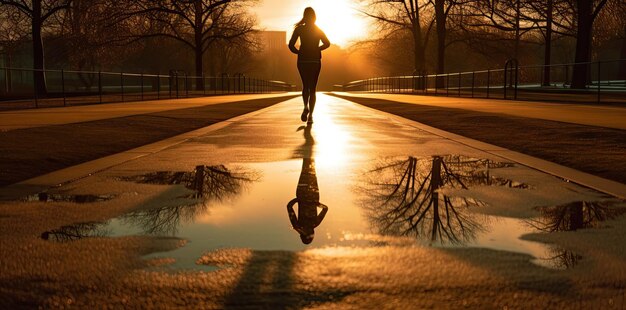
{"x": 66, "y": 87}
{"x": 606, "y": 83}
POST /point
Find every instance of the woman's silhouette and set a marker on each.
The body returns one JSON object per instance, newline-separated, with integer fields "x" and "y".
{"x": 309, "y": 58}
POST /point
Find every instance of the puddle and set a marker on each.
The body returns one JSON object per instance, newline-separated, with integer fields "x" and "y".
{"x": 48, "y": 197}
{"x": 301, "y": 201}
{"x": 409, "y": 197}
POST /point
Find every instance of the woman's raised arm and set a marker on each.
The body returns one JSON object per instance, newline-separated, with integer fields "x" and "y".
{"x": 292, "y": 41}
{"x": 325, "y": 41}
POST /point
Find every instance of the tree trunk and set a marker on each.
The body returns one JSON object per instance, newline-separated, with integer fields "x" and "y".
{"x": 8, "y": 63}
{"x": 517, "y": 30}
{"x": 576, "y": 216}
{"x": 418, "y": 54}
{"x": 435, "y": 183}
{"x": 199, "y": 47}
{"x": 199, "y": 66}
{"x": 39, "y": 76}
{"x": 548, "y": 48}
{"x": 622, "y": 65}
{"x": 584, "y": 16}
{"x": 440, "y": 20}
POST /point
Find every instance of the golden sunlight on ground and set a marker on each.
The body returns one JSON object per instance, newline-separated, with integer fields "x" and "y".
{"x": 331, "y": 139}
{"x": 340, "y": 19}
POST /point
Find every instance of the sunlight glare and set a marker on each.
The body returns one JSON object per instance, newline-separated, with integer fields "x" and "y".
{"x": 339, "y": 19}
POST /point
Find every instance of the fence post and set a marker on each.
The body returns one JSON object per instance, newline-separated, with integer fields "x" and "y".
{"x": 141, "y": 81}
{"x": 35, "y": 91}
{"x": 100, "y": 85}
{"x": 436, "y": 88}
{"x": 459, "y": 92}
{"x": 506, "y": 67}
{"x": 516, "y": 63}
{"x": 6, "y": 81}
{"x": 122, "y": 84}
{"x": 186, "y": 86}
{"x": 473, "y": 78}
{"x": 599, "y": 80}
{"x": 203, "y": 84}
{"x": 448, "y": 85}
{"x": 63, "y": 87}
{"x": 488, "y": 81}
{"x": 158, "y": 85}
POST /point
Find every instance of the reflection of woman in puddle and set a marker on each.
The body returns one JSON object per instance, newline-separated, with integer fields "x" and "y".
{"x": 307, "y": 195}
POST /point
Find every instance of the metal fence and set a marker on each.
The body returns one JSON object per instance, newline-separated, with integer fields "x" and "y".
{"x": 66, "y": 87}
{"x": 606, "y": 83}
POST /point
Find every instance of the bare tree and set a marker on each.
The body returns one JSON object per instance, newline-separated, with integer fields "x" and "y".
{"x": 197, "y": 23}
{"x": 508, "y": 16}
{"x": 38, "y": 12}
{"x": 92, "y": 39}
{"x": 551, "y": 17}
{"x": 13, "y": 33}
{"x": 393, "y": 15}
{"x": 586, "y": 13}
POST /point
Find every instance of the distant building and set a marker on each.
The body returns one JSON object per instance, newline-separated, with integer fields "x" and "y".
{"x": 274, "y": 54}
{"x": 272, "y": 40}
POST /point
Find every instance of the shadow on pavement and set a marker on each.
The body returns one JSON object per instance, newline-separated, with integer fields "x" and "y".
{"x": 268, "y": 282}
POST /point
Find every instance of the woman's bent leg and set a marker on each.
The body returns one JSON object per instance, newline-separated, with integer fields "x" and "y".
{"x": 304, "y": 76}
{"x": 314, "y": 75}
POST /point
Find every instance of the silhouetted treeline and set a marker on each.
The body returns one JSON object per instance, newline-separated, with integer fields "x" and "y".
{"x": 215, "y": 37}
{"x": 438, "y": 36}
{"x": 136, "y": 35}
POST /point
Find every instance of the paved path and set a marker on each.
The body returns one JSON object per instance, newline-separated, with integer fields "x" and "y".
{"x": 229, "y": 190}
{"x": 585, "y": 114}
{"x": 10, "y": 120}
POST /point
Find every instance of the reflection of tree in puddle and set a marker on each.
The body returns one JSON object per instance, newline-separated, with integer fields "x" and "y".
{"x": 214, "y": 183}
{"x": 408, "y": 197}
{"x": 570, "y": 217}
{"x": 209, "y": 183}
{"x": 559, "y": 258}
{"x": 473, "y": 171}
{"x": 75, "y": 232}
{"x": 575, "y": 215}
{"x": 48, "y": 197}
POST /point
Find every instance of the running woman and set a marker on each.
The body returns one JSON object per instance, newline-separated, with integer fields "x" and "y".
{"x": 309, "y": 58}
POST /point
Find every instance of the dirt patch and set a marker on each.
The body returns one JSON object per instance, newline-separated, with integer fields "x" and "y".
{"x": 596, "y": 150}
{"x": 29, "y": 152}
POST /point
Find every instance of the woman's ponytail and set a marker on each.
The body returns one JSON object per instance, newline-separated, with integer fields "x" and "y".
{"x": 308, "y": 17}
{"x": 300, "y": 23}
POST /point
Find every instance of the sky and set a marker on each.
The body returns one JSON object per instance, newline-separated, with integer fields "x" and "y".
{"x": 339, "y": 19}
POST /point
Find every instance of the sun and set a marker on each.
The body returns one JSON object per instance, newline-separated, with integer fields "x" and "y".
{"x": 339, "y": 19}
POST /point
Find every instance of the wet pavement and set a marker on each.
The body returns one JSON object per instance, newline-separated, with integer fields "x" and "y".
{"x": 354, "y": 189}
